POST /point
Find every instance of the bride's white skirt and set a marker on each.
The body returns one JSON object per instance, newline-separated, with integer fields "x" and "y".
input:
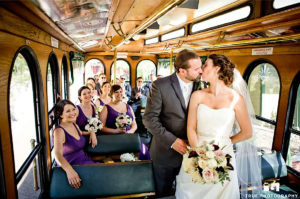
{"x": 187, "y": 189}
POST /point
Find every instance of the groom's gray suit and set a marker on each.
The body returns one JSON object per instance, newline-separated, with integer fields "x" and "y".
{"x": 166, "y": 119}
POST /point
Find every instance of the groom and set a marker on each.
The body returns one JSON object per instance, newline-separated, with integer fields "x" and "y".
{"x": 166, "y": 118}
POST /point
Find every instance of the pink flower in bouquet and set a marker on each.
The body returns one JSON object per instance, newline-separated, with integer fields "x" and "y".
{"x": 215, "y": 176}
{"x": 200, "y": 151}
{"x": 207, "y": 174}
{"x": 219, "y": 154}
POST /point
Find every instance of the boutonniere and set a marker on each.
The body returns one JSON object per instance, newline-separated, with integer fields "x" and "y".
{"x": 201, "y": 85}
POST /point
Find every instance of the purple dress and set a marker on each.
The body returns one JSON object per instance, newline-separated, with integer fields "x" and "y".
{"x": 112, "y": 115}
{"x": 82, "y": 120}
{"x": 73, "y": 149}
{"x": 101, "y": 102}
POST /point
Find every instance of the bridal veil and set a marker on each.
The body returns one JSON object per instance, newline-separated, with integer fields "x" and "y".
{"x": 248, "y": 162}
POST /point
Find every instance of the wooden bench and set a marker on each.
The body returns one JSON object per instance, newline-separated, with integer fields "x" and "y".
{"x": 120, "y": 180}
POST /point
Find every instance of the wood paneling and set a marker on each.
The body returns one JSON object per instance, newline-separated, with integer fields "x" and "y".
{"x": 9, "y": 44}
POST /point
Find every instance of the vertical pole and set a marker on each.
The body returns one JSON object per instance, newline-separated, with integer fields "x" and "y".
{"x": 115, "y": 65}
{"x": 171, "y": 62}
{"x": 34, "y": 169}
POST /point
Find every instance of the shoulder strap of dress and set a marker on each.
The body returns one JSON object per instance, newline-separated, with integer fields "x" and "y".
{"x": 235, "y": 99}
{"x": 77, "y": 129}
{"x": 94, "y": 111}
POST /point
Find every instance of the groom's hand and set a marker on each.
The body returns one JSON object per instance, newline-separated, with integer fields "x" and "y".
{"x": 180, "y": 146}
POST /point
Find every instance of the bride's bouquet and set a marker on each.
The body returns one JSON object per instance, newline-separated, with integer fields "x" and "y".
{"x": 123, "y": 120}
{"x": 207, "y": 164}
{"x": 94, "y": 124}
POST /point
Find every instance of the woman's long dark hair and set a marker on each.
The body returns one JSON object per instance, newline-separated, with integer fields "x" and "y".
{"x": 59, "y": 108}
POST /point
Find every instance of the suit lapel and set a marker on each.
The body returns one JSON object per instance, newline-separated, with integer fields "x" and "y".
{"x": 195, "y": 86}
{"x": 177, "y": 89}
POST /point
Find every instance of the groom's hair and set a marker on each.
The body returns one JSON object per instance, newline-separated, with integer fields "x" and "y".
{"x": 182, "y": 59}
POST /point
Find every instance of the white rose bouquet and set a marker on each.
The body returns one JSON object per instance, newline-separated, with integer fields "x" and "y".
{"x": 123, "y": 120}
{"x": 94, "y": 124}
{"x": 207, "y": 164}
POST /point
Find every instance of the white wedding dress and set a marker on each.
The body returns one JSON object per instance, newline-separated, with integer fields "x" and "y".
{"x": 212, "y": 124}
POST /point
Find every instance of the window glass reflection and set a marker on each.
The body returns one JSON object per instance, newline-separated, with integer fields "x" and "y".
{"x": 123, "y": 68}
{"x": 22, "y": 114}
{"x": 264, "y": 88}
{"x": 50, "y": 87}
{"x": 163, "y": 67}
{"x": 144, "y": 69}
{"x": 93, "y": 67}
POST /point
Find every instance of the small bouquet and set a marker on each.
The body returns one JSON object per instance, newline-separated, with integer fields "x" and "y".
{"x": 126, "y": 157}
{"x": 99, "y": 109}
{"x": 123, "y": 120}
{"x": 207, "y": 164}
{"x": 125, "y": 99}
{"x": 94, "y": 124}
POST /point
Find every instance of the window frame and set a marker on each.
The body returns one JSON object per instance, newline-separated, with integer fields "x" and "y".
{"x": 52, "y": 59}
{"x": 65, "y": 83}
{"x": 137, "y": 65}
{"x": 246, "y": 76}
{"x": 251, "y": 15}
{"x": 102, "y": 62}
{"x": 130, "y": 78}
{"x": 184, "y": 34}
{"x": 158, "y": 40}
{"x": 288, "y": 129}
{"x": 40, "y": 149}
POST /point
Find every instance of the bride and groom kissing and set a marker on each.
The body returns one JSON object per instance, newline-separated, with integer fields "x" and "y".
{"x": 179, "y": 116}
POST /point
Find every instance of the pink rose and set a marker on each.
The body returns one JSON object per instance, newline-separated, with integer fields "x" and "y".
{"x": 215, "y": 176}
{"x": 207, "y": 174}
{"x": 200, "y": 151}
{"x": 219, "y": 154}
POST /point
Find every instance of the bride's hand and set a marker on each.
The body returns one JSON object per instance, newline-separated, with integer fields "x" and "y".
{"x": 180, "y": 146}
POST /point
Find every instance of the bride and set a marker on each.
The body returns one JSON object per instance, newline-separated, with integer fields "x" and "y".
{"x": 212, "y": 115}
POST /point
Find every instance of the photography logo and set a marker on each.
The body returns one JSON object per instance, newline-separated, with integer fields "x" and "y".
{"x": 274, "y": 186}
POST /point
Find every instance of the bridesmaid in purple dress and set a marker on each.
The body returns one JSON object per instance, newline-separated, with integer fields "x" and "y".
{"x": 111, "y": 111}
{"x": 69, "y": 142}
{"x": 86, "y": 109}
{"x": 104, "y": 96}
{"x": 93, "y": 92}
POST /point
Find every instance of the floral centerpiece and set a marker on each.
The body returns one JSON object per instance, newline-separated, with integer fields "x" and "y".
{"x": 123, "y": 120}
{"x": 94, "y": 124}
{"x": 207, "y": 164}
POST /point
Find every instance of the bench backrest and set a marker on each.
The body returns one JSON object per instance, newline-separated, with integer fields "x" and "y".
{"x": 116, "y": 144}
{"x": 273, "y": 166}
{"x": 104, "y": 180}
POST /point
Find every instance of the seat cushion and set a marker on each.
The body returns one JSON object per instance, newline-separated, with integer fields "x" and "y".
{"x": 105, "y": 180}
{"x": 273, "y": 166}
{"x": 116, "y": 144}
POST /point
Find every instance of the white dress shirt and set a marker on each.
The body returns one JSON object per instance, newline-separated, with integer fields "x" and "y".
{"x": 186, "y": 89}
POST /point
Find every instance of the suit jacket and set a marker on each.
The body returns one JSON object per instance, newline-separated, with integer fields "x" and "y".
{"x": 166, "y": 119}
{"x": 127, "y": 88}
{"x": 144, "y": 91}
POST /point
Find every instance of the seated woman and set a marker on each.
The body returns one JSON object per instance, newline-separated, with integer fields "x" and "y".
{"x": 69, "y": 142}
{"x": 86, "y": 109}
{"x": 93, "y": 92}
{"x": 104, "y": 96}
{"x": 110, "y": 113}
